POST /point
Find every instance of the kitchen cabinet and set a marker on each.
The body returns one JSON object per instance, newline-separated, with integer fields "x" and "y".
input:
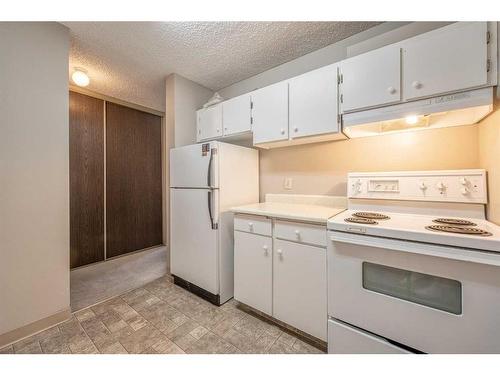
{"x": 371, "y": 79}
{"x": 253, "y": 270}
{"x": 280, "y": 269}
{"x": 313, "y": 103}
{"x": 209, "y": 123}
{"x": 236, "y": 115}
{"x": 299, "y": 286}
{"x": 270, "y": 113}
{"x": 448, "y": 59}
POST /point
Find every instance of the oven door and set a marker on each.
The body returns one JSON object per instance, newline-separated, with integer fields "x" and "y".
{"x": 435, "y": 299}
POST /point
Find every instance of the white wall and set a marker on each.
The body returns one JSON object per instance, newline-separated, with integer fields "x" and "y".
{"x": 182, "y": 98}
{"x": 188, "y": 97}
{"x": 378, "y": 36}
{"x": 34, "y": 193}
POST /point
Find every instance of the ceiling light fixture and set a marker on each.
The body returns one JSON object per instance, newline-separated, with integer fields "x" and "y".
{"x": 80, "y": 78}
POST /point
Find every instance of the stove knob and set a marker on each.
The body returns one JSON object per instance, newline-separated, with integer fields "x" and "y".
{"x": 465, "y": 191}
{"x": 422, "y": 186}
{"x": 464, "y": 181}
{"x": 356, "y": 187}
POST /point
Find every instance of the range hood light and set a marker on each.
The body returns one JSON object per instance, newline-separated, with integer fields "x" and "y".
{"x": 455, "y": 109}
{"x": 411, "y": 120}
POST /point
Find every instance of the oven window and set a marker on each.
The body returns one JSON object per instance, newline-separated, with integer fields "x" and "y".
{"x": 428, "y": 290}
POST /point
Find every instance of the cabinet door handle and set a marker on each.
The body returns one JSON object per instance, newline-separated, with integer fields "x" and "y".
{"x": 391, "y": 90}
{"x": 416, "y": 84}
{"x": 265, "y": 249}
{"x": 297, "y": 232}
{"x": 282, "y": 131}
{"x": 279, "y": 252}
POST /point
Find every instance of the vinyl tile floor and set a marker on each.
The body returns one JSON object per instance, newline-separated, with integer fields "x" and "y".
{"x": 162, "y": 318}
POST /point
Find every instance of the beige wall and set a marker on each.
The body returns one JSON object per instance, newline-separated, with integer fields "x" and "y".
{"x": 34, "y": 178}
{"x": 321, "y": 168}
{"x": 489, "y": 159}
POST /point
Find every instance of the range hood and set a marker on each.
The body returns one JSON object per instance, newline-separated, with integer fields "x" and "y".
{"x": 463, "y": 108}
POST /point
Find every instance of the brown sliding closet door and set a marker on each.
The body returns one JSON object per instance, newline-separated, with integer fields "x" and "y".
{"x": 133, "y": 180}
{"x": 86, "y": 178}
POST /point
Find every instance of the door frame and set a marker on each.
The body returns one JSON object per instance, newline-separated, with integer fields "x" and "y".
{"x": 164, "y": 156}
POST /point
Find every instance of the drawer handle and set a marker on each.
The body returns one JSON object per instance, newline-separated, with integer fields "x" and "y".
{"x": 297, "y": 232}
{"x": 250, "y": 225}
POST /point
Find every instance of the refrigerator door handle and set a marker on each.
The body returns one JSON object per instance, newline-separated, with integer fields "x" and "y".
{"x": 212, "y": 224}
{"x": 209, "y": 173}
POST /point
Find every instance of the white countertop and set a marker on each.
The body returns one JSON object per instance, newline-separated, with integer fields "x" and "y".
{"x": 308, "y": 208}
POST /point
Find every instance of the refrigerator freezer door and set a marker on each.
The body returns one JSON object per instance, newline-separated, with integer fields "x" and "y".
{"x": 193, "y": 239}
{"x": 194, "y": 166}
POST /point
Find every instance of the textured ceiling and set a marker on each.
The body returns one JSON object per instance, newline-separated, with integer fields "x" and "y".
{"x": 130, "y": 60}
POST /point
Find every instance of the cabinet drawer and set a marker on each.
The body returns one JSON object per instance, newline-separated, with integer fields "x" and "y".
{"x": 343, "y": 339}
{"x": 253, "y": 224}
{"x": 301, "y": 233}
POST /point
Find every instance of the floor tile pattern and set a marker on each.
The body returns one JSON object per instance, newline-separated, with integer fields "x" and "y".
{"x": 162, "y": 318}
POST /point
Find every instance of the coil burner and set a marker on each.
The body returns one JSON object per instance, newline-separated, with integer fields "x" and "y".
{"x": 449, "y": 221}
{"x": 360, "y": 220}
{"x": 458, "y": 229}
{"x": 371, "y": 215}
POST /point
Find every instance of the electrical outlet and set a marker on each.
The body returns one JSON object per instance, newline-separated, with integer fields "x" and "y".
{"x": 287, "y": 183}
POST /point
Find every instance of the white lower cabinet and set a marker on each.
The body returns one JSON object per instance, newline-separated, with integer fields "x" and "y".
{"x": 299, "y": 287}
{"x": 285, "y": 279}
{"x": 253, "y": 269}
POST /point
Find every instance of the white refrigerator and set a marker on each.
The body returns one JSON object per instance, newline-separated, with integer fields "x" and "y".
{"x": 206, "y": 180}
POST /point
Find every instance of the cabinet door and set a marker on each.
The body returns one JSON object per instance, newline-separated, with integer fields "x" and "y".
{"x": 253, "y": 271}
{"x": 299, "y": 287}
{"x": 236, "y": 115}
{"x": 449, "y": 59}
{"x": 371, "y": 79}
{"x": 209, "y": 123}
{"x": 313, "y": 103}
{"x": 270, "y": 113}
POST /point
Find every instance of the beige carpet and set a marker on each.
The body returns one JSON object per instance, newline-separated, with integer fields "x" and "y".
{"x": 98, "y": 282}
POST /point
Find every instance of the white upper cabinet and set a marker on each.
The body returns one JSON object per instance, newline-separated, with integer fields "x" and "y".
{"x": 209, "y": 123}
{"x": 451, "y": 58}
{"x": 270, "y": 113}
{"x": 313, "y": 102}
{"x": 236, "y": 115}
{"x": 371, "y": 79}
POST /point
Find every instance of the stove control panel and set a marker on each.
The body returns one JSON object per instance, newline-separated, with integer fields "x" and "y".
{"x": 466, "y": 186}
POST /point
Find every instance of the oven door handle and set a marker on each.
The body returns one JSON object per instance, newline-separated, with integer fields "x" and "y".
{"x": 456, "y": 253}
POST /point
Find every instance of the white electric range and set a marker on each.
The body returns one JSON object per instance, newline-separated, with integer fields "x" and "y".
{"x": 414, "y": 266}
